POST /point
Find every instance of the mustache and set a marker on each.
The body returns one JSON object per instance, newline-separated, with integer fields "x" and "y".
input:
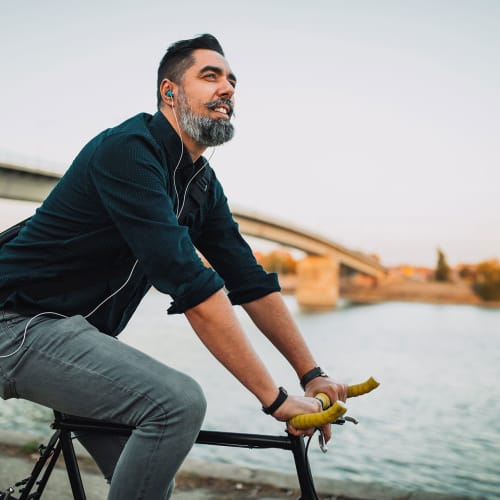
{"x": 214, "y": 104}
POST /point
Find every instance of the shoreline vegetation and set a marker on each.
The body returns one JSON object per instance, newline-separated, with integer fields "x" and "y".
{"x": 398, "y": 288}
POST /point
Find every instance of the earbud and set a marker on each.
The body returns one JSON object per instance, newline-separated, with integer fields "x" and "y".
{"x": 169, "y": 93}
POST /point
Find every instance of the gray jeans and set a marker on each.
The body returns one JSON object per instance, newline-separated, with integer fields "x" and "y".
{"x": 68, "y": 365}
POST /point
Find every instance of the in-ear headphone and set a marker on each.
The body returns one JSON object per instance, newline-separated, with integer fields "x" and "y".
{"x": 169, "y": 93}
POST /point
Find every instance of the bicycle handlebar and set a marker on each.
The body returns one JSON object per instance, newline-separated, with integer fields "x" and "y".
{"x": 333, "y": 412}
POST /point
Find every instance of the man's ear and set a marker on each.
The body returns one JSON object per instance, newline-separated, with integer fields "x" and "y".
{"x": 167, "y": 91}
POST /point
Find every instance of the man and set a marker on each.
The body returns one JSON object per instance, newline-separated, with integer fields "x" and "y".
{"x": 128, "y": 215}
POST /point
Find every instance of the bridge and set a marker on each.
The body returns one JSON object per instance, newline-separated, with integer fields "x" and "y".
{"x": 28, "y": 184}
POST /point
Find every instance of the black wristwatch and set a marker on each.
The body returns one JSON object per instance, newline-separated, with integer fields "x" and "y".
{"x": 310, "y": 375}
{"x": 282, "y": 395}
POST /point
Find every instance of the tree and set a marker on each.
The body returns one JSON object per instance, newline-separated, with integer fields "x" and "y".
{"x": 467, "y": 272}
{"x": 487, "y": 284}
{"x": 442, "y": 269}
{"x": 278, "y": 261}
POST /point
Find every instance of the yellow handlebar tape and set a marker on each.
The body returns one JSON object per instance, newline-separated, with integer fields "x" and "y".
{"x": 324, "y": 400}
{"x": 308, "y": 420}
{"x": 331, "y": 413}
{"x": 363, "y": 388}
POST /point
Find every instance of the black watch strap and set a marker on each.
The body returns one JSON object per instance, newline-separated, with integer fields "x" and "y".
{"x": 282, "y": 395}
{"x": 310, "y": 375}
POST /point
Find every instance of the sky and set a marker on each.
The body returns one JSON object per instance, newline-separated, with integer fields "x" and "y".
{"x": 375, "y": 124}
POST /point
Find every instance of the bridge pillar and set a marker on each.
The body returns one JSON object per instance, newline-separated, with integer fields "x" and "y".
{"x": 317, "y": 283}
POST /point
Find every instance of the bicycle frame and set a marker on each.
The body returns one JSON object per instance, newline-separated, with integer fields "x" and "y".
{"x": 61, "y": 441}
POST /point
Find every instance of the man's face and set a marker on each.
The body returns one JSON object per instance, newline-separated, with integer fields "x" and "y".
{"x": 206, "y": 99}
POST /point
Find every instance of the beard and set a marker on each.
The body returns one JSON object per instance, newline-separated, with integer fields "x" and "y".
{"x": 206, "y": 131}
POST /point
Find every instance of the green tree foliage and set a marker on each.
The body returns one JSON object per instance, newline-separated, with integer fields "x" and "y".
{"x": 442, "y": 269}
{"x": 487, "y": 284}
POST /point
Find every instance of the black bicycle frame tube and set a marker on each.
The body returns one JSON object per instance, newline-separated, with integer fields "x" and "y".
{"x": 218, "y": 438}
{"x": 75, "y": 479}
{"x": 50, "y": 455}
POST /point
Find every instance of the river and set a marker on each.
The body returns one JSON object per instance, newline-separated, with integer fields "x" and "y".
{"x": 433, "y": 424}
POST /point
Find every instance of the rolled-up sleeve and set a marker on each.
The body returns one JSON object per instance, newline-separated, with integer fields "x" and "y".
{"x": 133, "y": 187}
{"x": 224, "y": 247}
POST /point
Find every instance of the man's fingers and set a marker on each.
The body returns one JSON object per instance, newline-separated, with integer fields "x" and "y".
{"x": 345, "y": 392}
{"x": 327, "y": 432}
{"x": 299, "y": 432}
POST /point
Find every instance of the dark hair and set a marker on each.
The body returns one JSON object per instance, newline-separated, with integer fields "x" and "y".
{"x": 179, "y": 57}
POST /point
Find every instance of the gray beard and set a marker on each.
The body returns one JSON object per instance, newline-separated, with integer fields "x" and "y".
{"x": 205, "y": 131}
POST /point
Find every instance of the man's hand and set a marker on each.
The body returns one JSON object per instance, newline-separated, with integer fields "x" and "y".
{"x": 297, "y": 405}
{"x": 335, "y": 391}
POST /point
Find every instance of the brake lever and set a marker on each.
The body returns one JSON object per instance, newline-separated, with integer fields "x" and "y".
{"x": 340, "y": 421}
{"x": 322, "y": 442}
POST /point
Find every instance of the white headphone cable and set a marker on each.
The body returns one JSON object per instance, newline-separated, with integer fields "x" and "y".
{"x": 180, "y": 157}
{"x": 178, "y": 213}
{"x": 64, "y": 316}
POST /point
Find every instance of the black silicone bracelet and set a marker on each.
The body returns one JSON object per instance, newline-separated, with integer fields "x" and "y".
{"x": 310, "y": 375}
{"x": 282, "y": 395}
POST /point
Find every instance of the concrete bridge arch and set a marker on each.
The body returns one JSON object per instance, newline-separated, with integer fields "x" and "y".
{"x": 318, "y": 275}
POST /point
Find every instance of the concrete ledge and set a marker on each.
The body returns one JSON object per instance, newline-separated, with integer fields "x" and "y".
{"x": 324, "y": 486}
{"x": 238, "y": 474}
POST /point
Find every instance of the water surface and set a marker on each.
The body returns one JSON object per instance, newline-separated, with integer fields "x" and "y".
{"x": 433, "y": 424}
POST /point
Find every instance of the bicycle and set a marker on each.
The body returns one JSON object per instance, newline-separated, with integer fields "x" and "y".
{"x": 32, "y": 487}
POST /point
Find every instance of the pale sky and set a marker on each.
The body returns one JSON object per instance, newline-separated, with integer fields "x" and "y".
{"x": 374, "y": 123}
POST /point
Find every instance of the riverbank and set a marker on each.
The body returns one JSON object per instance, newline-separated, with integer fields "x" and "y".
{"x": 402, "y": 289}
{"x": 399, "y": 288}
{"x": 197, "y": 480}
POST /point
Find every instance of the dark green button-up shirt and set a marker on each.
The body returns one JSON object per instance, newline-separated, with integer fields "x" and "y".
{"x": 114, "y": 206}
